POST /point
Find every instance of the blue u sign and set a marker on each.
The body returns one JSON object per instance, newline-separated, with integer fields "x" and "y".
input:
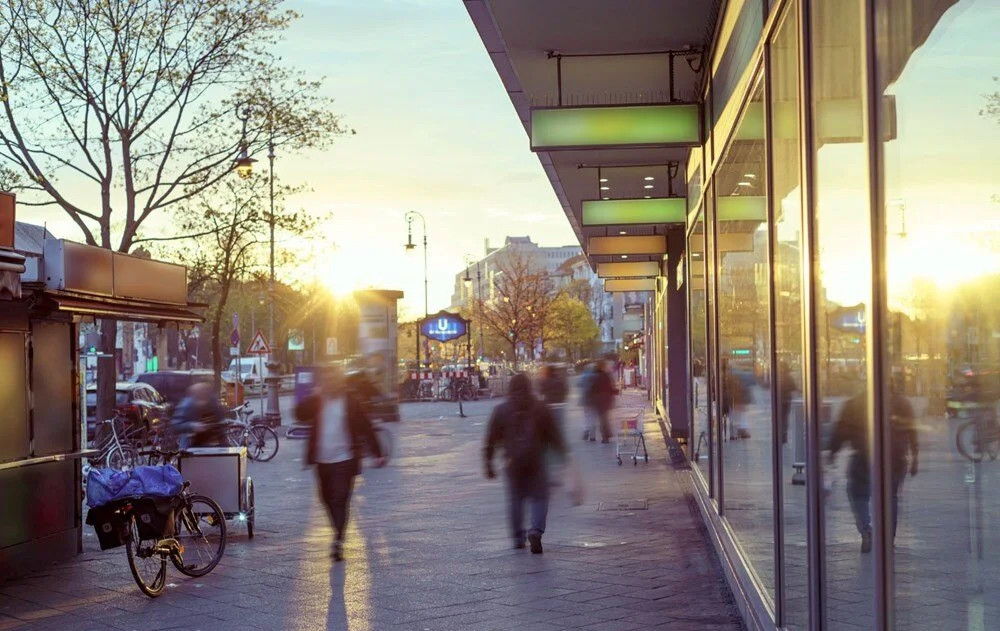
{"x": 444, "y": 326}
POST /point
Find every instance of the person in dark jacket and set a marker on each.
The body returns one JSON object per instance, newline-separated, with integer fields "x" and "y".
{"x": 199, "y": 419}
{"x": 341, "y": 434}
{"x": 601, "y": 398}
{"x": 852, "y": 428}
{"x": 525, "y": 429}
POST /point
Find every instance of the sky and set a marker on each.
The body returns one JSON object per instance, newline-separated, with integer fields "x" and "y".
{"x": 436, "y": 134}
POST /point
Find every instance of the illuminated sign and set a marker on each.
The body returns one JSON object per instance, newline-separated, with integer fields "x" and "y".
{"x": 639, "y": 269}
{"x": 601, "y": 212}
{"x": 444, "y": 326}
{"x": 741, "y": 208}
{"x": 629, "y": 284}
{"x": 645, "y": 244}
{"x": 614, "y": 126}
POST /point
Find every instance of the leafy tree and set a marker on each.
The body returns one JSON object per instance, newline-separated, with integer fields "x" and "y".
{"x": 570, "y": 326}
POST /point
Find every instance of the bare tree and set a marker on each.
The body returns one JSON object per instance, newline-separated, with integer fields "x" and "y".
{"x": 115, "y": 111}
{"x": 220, "y": 234}
{"x": 521, "y": 303}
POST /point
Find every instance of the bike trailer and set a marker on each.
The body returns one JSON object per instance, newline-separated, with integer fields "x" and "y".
{"x": 108, "y": 485}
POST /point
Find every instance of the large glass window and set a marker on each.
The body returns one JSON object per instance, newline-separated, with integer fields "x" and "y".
{"x": 842, "y": 295}
{"x": 940, "y": 131}
{"x": 744, "y": 340}
{"x": 787, "y": 212}
{"x": 701, "y": 439}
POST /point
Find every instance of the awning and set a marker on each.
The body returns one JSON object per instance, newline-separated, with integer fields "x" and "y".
{"x": 117, "y": 308}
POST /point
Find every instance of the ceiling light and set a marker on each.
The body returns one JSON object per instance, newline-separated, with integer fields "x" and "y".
{"x": 749, "y": 175}
{"x": 605, "y": 188}
{"x": 605, "y": 198}
{"x": 624, "y": 256}
{"x": 649, "y": 178}
{"x": 744, "y": 184}
{"x": 623, "y": 232}
{"x": 604, "y": 179}
{"x": 648, "y": 186}
{"x": 645, "y": 196}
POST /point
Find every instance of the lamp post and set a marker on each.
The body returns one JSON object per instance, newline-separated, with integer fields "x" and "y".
{"x": 479, "y": 294}
{"x": 412, "y": 216}
{"x": 244, "y": 168}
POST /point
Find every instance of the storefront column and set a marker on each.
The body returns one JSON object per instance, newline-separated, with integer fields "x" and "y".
{"x": 677, "y": 331}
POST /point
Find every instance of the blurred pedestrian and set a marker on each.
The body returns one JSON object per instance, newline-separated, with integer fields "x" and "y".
{"x": 199, "y": 419}
{"x": 852, "y": 428}
{"x": 525, "y": 429}
{"x": 735, "y": 399}
{"x": 601, "y": 398}
{"x": 341, "y": 433}
{"x": 589, "y": 413}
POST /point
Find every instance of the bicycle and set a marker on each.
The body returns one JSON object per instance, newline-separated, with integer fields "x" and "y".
{"x": 261, "y": 441}
{"x": 115, "y": 451}
{"x": 979, "y": 436}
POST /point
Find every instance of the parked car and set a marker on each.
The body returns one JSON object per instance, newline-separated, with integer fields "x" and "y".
{"x": 248, "y": 370}
{"x": 140, "y": 403}
{"x": 173, "y": 384}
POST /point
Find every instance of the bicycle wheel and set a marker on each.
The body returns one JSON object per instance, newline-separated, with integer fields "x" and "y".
{"x": 200, "y": 528}
{"x": 234, "y": 435}
{"x": 262, "y": 444}
{"x": 969, "y": 441}
{"x": 122, "y": 457}
{"x": 149, "y": 567}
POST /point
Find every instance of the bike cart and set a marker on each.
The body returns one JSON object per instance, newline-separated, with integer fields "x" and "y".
{"x": 221, "y": 473}
{"x": 631, "y": 437}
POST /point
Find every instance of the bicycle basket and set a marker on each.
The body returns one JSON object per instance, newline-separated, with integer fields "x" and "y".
{"x": 154, "y": 516}
{"x": 108, "y": 524}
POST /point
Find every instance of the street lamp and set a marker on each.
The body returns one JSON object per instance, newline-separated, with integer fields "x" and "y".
{"x": 412, "y": 216}
{"x": 244, "y": 168}
{"x": 479, "y": 295}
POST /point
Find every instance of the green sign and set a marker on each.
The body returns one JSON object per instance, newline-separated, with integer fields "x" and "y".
{"x": 634, "y": 211}
{"x": 741, "y": 208}
{"x": 741, "y": 352}
{"x": 614, "y": 126}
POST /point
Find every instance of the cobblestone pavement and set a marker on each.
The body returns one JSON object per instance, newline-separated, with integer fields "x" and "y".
{"x": 428, "y": 550}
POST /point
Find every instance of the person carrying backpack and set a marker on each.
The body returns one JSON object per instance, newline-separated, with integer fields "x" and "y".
{"x": 525, "y": 429}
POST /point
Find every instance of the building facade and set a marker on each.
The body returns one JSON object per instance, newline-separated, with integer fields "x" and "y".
{"x": 809, "y": 192}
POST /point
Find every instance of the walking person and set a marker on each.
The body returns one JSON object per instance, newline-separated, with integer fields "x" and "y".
{"x": 852, "y": 428}
{"x": 341, "y": 433}
{"x": 198, "y": 419}
{"x": 601, "y": 397}
{"x": 525, "y": 429}
{"x": 589, "y": 413}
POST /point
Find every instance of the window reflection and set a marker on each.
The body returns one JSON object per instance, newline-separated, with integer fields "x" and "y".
{"x": 744, "y": 341}
{"x": 942, "y": 239}
{"x": 701, "y": 439}
{"x": 843, "y": 276}
{"x": 789, "y": 417}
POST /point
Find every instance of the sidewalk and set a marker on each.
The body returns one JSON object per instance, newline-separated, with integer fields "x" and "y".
{"x": 429, "y": 550}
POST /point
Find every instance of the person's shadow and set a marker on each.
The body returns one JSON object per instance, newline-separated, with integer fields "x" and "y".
{"x": 336, "y": 614}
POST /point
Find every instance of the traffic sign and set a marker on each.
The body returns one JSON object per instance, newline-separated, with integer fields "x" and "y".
{"x": 234, "y": 337}
{"x": 259, "y": 346}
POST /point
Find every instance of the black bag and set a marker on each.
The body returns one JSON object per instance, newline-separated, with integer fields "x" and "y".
{"x": 108, "y": 524}
{"x": 154, "y": 517}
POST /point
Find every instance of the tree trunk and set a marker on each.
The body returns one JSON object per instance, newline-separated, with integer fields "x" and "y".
{"x": 513, "y": 353}
{"x": 217, "y": 350}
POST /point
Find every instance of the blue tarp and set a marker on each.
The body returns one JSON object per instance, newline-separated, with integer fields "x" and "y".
{"x": 108, "y": 485}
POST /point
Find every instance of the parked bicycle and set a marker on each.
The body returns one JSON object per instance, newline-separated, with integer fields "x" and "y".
{"x": 260, "y": 440}
{"x": 979, "y": 437}
{"x": 460, "y": 387}
{"x": 116, "y": 444}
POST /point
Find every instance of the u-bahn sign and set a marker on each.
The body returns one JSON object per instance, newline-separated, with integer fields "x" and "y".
{"x": 444, "y": 326}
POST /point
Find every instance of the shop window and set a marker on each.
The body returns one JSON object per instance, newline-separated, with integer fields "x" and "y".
{"x": 744, "y": 348}
{"x": 941, "y": 384}
{"x": 843, "y": 273}
{"x": 701, "y": 438}
{"x": 14, "y": 395}
{"x": 786, "y": 208}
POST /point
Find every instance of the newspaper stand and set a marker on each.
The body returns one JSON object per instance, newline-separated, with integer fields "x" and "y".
{"x": 221, "y": 473}
{"x": 631, "y": 438}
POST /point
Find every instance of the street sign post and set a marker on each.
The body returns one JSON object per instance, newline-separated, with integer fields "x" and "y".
{"x": 259, "y": 347}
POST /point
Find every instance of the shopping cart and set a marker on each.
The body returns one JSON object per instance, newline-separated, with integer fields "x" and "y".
{"x": 631, "y": 437}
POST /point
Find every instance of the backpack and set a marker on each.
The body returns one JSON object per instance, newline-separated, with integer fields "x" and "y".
{"x": 521, "y": 444}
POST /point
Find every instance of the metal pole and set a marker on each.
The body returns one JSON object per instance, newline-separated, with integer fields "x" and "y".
{"x": 479, "y": 295}
{"x": 270, "y": 158}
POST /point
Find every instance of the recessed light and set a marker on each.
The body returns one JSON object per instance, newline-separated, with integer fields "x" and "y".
{"x": 648, "y": 186}
{"x": 749, "y": 175}
{"x": 744, "y": 184}
{"x": 604, "y": 179}
{"x": 645, "y": 196}
{"x": 605, "y": 198}
{"x": 624, "y": 256}
{"x": 605, "y": 188}
{"x": 622, "y": 232}
{"x": 649, "y": 178}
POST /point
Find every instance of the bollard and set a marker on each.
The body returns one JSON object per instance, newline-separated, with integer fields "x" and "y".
{"x": 272, "y": 383}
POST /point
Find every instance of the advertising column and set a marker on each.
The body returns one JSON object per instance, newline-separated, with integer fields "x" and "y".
{"x": 377, "y": 343}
